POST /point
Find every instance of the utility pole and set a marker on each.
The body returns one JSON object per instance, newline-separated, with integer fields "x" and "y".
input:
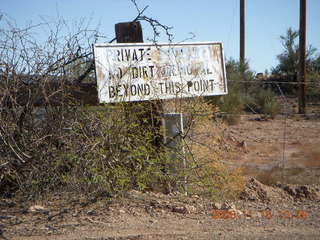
{"x": 242, "y": 33}
{"x": 242, "y": 45}
{"x": 302, "y": 58}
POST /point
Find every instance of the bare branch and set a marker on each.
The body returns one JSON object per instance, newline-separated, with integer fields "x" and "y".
{"x": 155, "y": 24}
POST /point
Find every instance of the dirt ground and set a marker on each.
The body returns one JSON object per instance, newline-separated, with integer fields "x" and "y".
{"x": 281, "y": 152}
{"x": 285, "y": 150}
{"x": 262, "y": 212}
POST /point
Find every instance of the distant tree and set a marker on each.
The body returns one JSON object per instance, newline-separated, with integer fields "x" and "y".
{"x": 288, "y": 60}
{"x": 313, "y": 86}
{"x": 234, "y": 71}
{"x": 315, "y": 65}
{"x": 287, "y": 69}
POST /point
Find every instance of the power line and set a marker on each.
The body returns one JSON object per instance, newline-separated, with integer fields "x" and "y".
{"x": 274, "y": 82}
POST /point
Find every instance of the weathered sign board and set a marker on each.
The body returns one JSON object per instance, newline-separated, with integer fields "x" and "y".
{"x": 142, "y": 71}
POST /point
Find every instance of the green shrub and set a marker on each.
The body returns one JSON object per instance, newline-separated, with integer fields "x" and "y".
{"x": 264, "y": 101}
{"x": 111, "y": 149}
{"x": 313, "y": 87}
{"x": 50, "y": 142}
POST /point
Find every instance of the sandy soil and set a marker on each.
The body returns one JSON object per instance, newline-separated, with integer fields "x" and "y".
{"x": 274, "y": 150}
{"x": 263, "y": 212}
{"x": 285, "y": 150}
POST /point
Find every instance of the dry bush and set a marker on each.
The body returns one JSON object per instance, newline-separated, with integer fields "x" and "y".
{"x": 207, "y": 171}
{"x": 35, "y": 101}
{"x": 112, "y": 152}
{"x": 50, "y": 141}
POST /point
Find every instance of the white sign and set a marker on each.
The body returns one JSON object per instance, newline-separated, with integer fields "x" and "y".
{"x": 142, "y": 71}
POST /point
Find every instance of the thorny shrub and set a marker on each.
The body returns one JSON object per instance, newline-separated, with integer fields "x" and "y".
{"x": 50, "y": 141}
{"x": 108, "y": 149}
{"x": 35, "y": 100}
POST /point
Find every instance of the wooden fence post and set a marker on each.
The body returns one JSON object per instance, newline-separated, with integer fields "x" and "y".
{"x": 128, "y": 32}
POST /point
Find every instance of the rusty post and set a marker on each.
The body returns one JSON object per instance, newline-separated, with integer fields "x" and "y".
{"x": 128, "y": 32}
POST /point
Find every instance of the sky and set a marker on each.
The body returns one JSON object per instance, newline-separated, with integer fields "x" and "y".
{"x": 207, "y": 20}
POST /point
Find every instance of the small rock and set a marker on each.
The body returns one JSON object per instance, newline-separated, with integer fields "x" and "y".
{"x": 227, "y": 206}
{"x": 217, "y": 206}
{"x": 91, "y": 212}
{"x": 243, "y": 144}
{"x": 179, "y": 209}
{"x": 191, "y": 209}
{"x": 38, "y": 209}
{"x": 256, "y": 214}
{"x": 232, "y": 138}
{"x": 239, "y": 213}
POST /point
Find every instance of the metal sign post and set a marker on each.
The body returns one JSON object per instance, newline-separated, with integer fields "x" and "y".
{"x": 174, "y": 131}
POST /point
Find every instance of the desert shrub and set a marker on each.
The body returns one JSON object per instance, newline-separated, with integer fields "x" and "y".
{"x": 238, "y": 77}
{"x": 208, "y": 172}
{"x": 111, "y": 149}
{"x": 313, "y": 86}
{"x": 89, "y": 150}
{"x": 264, "y": 101}
{"x": 234, "y": 102}
{"x": 245, "y": 93}
{"x": 51, "y": 141}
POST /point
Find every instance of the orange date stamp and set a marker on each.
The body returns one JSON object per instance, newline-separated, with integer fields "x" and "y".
{"x": 266, "y": 214}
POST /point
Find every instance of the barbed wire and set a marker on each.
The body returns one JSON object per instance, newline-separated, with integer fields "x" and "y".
{"x": 274, "y": 82}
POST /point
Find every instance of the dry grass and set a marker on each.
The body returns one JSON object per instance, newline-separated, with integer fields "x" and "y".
{"x": 293, "y": 175}
{"x": 209, "y": 171}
